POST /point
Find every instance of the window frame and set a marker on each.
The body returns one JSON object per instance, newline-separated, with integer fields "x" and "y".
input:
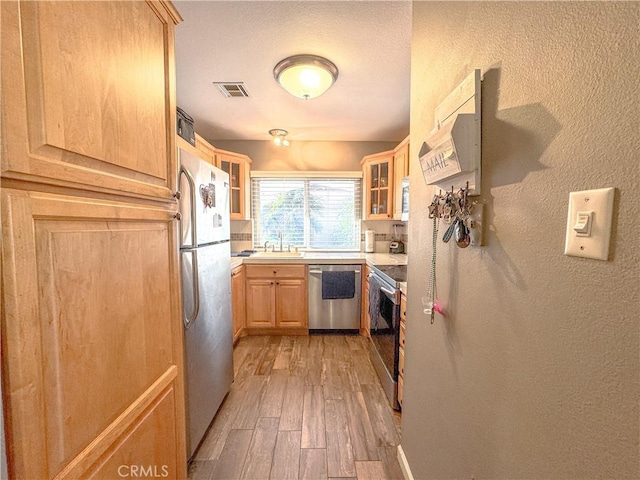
{"x": 307, "y": 177}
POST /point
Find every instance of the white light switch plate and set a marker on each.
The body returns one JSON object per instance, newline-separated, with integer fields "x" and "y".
{"x": 596, "y": 245}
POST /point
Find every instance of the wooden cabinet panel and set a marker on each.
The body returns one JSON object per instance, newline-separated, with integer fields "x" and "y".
{"x": 276, "y": 298}
{"x": 260, "y": 302}
{"x": 276, "y": 271}
{"x": 291, "y": 308}
{"x": 378, "y": 173}
{"x": 90, "y": 91}
{"x": 154, "y": 429}
{"x": 238, "y": 301}
{"x": 90, "y": 334}
{"x": 365, "y": 324}
{"x": 401, "y": 170}
{"x": 237, "y": 166}
{"x": 400, "y": 390}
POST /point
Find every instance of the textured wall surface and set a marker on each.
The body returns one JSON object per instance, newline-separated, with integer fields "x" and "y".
{"x": 303, "y": 155}
{"x": 534, "y": 371}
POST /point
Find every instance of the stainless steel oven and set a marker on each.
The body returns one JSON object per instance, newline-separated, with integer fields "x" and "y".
{"x": 384, "y": 312}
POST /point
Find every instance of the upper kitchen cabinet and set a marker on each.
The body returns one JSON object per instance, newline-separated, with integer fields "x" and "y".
{"x": 238, "y": 167}
{"x": 400, "y": 170}
{"x": 88, "y": 89}
{"x": 202, "y": 149}
{"x": 378, "y": 174}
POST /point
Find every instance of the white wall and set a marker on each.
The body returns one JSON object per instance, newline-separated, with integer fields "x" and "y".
{"x": 534, "y": 372}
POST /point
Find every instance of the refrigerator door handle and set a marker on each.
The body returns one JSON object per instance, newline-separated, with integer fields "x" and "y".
{"x": 188, "y": 320}
{"x": 192, "y": 199}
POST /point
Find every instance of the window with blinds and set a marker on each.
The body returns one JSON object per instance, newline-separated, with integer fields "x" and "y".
{"x": 308, "y": 212}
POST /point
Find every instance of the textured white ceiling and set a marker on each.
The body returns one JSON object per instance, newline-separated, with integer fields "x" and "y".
{"x": 241, "y": 41}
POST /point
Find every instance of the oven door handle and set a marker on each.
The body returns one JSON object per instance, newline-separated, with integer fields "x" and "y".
{"x": 388, "y": 292}
{"x": 315, "y": 271}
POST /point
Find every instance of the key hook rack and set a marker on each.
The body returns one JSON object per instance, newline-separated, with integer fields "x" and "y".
{"x": 461, "y": 213}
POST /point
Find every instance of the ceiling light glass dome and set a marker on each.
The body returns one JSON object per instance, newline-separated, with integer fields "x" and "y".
{"x": 305, "y": 76}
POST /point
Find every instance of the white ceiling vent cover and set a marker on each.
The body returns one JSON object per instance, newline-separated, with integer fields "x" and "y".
{"x": 232, "y": 89}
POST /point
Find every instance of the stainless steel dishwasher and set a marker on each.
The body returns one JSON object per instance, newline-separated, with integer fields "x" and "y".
{"x": 334, "y": 297}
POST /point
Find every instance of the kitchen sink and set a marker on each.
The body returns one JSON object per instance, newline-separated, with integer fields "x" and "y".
{"x": 279, "y": 254}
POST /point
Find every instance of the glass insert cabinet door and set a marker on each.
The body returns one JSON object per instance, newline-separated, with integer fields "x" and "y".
{"x": 379, "y": 171}
{"x": 235, "y": 168}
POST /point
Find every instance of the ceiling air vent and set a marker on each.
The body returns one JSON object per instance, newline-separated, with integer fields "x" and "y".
{"x": 232, "y": 89}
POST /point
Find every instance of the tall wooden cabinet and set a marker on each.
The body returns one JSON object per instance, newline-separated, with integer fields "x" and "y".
{"x": 92, "y": 356}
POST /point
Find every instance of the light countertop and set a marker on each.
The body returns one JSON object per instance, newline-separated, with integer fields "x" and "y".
{"x": 344, "y": 258}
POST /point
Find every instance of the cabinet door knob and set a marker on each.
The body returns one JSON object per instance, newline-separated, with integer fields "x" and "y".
{"x": 177, "y": 216}
{"x": 177, "y": 195}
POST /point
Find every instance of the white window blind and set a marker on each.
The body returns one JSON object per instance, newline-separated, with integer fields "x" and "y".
{"x": 308, "y": 212}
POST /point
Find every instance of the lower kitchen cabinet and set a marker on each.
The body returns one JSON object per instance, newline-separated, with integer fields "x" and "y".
{"x": 238, "y": 310}
{"x": 92, "y": 355}
{"x": 276, "y": 299}
{"x": 365, "y": 321}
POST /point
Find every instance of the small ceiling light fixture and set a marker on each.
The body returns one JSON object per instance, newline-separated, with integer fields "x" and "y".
{"x": 279, "y": 135}
{"x": 305, "y": 76}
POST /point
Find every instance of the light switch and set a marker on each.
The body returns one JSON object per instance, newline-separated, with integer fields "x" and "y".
{"x": 583, "y": 224}
{"x": 589, "y": 223}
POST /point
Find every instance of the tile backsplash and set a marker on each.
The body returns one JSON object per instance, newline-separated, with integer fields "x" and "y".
{"x": 241, "y": 235}
{"x": 384, "y": 233}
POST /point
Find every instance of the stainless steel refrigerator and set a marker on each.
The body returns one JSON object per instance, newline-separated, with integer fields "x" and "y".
{"x": 205, "y": 259}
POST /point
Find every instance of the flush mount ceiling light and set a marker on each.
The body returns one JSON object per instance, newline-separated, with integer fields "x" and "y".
{"x": 305, "y": 76}
{"x": 279, "y": 135}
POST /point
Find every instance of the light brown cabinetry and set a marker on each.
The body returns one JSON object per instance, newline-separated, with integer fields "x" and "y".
{"x": 207, "y": 151}
{"x": 92, "y": 355}
{"x": 383, "y": 173}
{"x": 403, "y": 321}
{"x": 202, "y": 148}
{"x": 237, "y": 166}
{"x": 378, "y": 174}
{"x": 88, "y": 86}
{"x": 365, "y": 323}
{"x": 276, "y": 299}
{"x": 400, "y": 170}
{"x": 238, "y": 300}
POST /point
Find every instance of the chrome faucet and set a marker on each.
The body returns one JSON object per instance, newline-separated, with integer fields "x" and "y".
{"x": 266, "y": 243}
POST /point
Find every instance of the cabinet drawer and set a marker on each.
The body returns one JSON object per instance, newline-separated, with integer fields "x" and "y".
{"x": 401, "y": 362}
{"x": 403, "y": 307}
{"x": 402, "y": 334}
{"x": 276, "y": 271}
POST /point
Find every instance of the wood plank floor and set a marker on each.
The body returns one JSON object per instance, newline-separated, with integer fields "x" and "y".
{"x": 304, "y": 407}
